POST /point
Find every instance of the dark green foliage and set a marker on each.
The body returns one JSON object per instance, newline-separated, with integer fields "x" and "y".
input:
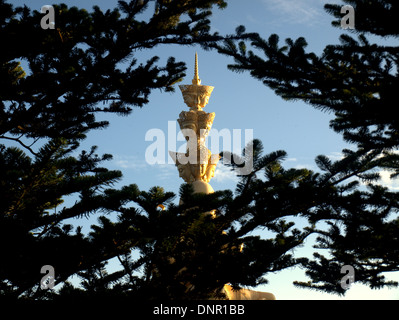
{"x": 84, "y": 67}
{"x": 357, "y": 82}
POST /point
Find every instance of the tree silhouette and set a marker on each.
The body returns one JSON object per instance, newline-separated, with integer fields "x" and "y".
{"x": 356, "y": 81}
{"x": 84, "y": 67}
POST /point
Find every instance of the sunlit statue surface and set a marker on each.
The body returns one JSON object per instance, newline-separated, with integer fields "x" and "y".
{"x": 196, "y": 166}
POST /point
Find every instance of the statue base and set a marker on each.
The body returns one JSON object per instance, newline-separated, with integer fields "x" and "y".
{"x": 246, "y": 294}
{"x": 202, "y": 187}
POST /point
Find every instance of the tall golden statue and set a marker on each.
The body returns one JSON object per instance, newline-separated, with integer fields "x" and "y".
{"x": 196, "y": 166}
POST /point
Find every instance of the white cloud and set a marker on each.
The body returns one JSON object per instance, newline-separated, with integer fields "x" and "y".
{"x": 160, "y": 171}
{"x": 309, "y": 12}
{"x": 386, "y": 181}
{"x": 224, "y": 174}
{"x": 385, "y": 178}
{"x": 335, "y": 156}
{"x": 166, "y": 171}
{"x": 129, "y": 162}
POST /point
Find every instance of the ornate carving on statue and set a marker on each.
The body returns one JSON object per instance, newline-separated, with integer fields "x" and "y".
{"x": 198, "y": 167}
{"x": 185, "y": 172}
{"x": 205, "y": 121}
{"x": 199, "y": 122}
{"x": 211, "y": 167}
{"x": 196, "y": 96}
{"x": 188, "y": 120}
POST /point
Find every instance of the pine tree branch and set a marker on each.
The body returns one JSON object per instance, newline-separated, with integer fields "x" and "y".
{"x": 21, "y": 143}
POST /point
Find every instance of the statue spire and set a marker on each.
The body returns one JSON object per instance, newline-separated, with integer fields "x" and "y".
{"x": 196, "y": 79}
{"x": 195, "y": 95}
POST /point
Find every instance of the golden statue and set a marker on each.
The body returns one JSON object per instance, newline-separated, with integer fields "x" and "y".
{"x": 197, "y": 165}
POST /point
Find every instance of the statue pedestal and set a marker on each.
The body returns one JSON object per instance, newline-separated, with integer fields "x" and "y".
{"x": 245, "y": 294}
{"x": 202, "y": 187}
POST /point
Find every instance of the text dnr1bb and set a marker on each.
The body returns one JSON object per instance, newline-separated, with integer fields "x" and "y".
{"x": 227, "y": 309}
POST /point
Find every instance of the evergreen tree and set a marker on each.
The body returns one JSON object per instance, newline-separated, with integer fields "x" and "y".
{"x": 73, "y": 73}
{"x": 356, "y": 81}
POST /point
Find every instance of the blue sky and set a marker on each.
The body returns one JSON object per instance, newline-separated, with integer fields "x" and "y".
{"x": 240, "y": 102}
